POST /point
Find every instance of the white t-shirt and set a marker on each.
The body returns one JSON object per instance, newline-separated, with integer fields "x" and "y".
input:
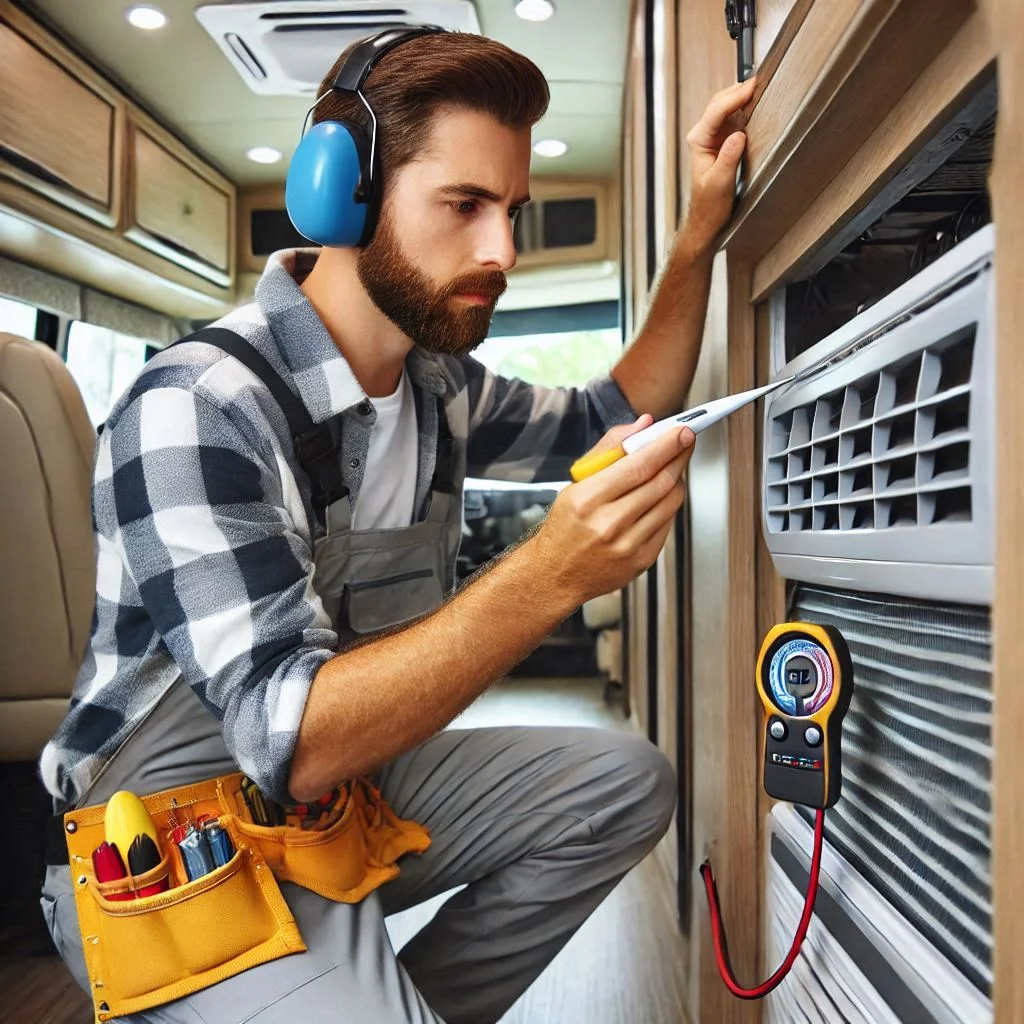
{"x": 388, "y": 490}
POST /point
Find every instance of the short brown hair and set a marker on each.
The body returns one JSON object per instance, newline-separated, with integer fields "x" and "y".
{"x": 429, "y": 73}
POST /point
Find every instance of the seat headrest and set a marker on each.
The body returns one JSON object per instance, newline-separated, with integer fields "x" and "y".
{"x": 47, "y": 560}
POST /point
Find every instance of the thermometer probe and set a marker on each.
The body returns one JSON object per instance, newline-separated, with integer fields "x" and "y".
{"x": 696, "y": 419}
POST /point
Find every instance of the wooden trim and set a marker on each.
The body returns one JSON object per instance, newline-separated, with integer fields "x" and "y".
{"x": 775, "y": 49}
{"x": 796, "y": 149}
{"x": 733, "y": 835}
{"x": 1006, "y": 21}
{"x": 919, "y": 114}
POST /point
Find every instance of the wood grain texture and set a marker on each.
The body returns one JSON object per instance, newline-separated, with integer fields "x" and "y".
{"x": 61, "y": 125}
{"x": 174, "y": 203}
{"x": 789, "y": 91}
{"x": 706, "y": 60}
{"x": 919, "y": 112}
{"x": 737, "y": 844}
{"x": 775, "y": 22}
{"x": 1006, "y": 22}
{"x": 839, "y": 108}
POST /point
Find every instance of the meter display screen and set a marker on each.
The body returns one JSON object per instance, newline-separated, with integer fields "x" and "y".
{"x": 800, "y": 678}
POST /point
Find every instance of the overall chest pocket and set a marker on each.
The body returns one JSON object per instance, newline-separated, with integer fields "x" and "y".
{"x": 373, "y": 605}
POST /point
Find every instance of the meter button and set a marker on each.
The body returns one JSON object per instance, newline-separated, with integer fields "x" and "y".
{"x": 778, "y": 730}
{"x": 812, "y": 735}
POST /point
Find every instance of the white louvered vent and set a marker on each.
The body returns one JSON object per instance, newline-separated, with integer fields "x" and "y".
{"x": 285, "y": 47}
{"x": 888, "y": 450}
{"x": 862, "y": 962}
{"x": 885, "y": 457}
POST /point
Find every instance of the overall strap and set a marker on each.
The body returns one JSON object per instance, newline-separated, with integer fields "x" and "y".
{"x": 316, "y": 448}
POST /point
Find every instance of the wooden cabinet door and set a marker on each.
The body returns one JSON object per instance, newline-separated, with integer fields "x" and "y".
{"x": 60, "y": 124}
{"x": 180, "y": 208}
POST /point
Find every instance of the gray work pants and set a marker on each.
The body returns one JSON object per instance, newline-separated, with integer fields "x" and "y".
{"x": 539, "y": 824}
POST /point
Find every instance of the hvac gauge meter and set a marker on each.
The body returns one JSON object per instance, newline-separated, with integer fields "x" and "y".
{"x": 805, "y": 682}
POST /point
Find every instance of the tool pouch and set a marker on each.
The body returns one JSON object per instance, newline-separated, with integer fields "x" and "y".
{"x": 147, "y": 951}
{"x": 348, "y": 859}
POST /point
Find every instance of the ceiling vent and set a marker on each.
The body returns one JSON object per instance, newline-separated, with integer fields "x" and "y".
{"x": 285, "y": 47}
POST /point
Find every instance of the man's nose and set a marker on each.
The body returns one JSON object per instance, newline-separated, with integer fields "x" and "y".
{"x": 497, "y": 245}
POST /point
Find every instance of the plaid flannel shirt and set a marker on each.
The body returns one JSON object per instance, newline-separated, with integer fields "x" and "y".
{"x": 205, "y": 532}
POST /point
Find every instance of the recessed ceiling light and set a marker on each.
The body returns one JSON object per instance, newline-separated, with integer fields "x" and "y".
{"x": 535, "y": 10}
{"x": 264, "y": 154}
{"x": 550, "y": 147}
{"x": 144, "y": 16}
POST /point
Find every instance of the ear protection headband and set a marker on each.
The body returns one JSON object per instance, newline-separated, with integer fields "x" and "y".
{"x": 333, "y": 190}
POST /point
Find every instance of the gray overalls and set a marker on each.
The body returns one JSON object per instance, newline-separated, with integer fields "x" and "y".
{"x": 537, "y": 824}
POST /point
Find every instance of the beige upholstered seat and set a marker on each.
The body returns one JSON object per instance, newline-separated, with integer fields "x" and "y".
{"x": 47, "y": 564}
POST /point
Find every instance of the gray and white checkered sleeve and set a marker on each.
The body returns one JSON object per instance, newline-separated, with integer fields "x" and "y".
{"x": 527, "y": 433}
{"x": 208, "y": 541}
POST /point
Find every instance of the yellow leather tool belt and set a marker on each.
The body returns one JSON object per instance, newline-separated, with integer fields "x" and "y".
{"x": 145, "y": 951}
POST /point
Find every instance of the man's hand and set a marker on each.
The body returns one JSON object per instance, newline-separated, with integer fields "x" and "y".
{"x": 716, "y": 147}
{"x": 605, "y": 530}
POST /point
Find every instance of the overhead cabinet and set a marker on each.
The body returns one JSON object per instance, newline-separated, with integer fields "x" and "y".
{"x": 58, "y": 137}
{"x": 179, "y": 208}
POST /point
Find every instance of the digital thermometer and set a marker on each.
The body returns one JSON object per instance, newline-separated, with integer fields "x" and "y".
{"x": 805, "y": 682}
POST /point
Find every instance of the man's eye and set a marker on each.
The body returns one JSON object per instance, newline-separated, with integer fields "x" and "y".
{"x": 465, "y": 206}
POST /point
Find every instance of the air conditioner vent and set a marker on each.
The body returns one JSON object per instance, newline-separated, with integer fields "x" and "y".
{"x": 285, "y": 47}
{"x": 881, "y": 450}
{"x": 886, "y": 455}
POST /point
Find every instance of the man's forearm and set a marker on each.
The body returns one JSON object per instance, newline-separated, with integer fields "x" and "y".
{"x": 372, "y": 703}
{"x": 656, "y": 371}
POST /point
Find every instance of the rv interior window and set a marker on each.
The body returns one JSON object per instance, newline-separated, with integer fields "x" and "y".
{"x": 103, "y": 363}
{"x": 18, "y": 318}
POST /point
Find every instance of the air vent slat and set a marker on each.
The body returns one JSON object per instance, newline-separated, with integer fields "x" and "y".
{"x": 890, "y": 450}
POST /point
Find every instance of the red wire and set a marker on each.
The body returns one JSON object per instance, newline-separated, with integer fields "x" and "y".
{"x": 718, "y": 931}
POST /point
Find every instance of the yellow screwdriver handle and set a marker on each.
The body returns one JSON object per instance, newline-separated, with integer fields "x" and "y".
{"x": 591, "y": 464}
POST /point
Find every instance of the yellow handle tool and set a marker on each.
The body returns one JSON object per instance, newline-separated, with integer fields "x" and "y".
{"x": 125, "y": 818}
{"x": 696, "y": 419}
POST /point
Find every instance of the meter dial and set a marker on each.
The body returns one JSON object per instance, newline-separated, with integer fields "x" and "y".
{"x": 800, "y": 678}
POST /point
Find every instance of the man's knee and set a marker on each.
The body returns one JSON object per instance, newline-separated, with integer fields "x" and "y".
{"x": 641, "y": 791}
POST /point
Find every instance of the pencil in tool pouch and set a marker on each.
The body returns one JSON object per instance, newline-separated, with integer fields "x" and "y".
{"x": 696, "y": 419}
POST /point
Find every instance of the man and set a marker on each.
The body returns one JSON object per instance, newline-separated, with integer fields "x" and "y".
{"x": 246, "y": 620}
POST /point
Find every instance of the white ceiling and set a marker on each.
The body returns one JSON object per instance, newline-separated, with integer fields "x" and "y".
{"x": 179, "y": 74}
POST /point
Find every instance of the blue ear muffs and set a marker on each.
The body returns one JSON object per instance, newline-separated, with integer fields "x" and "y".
{"x": 326, "y": 193}
{"x": 333, "y": 190}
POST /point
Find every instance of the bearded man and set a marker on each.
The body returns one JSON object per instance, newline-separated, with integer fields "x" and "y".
{"x": 277, "y": 505}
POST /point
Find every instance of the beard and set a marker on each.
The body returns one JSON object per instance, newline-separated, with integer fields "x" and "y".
{"x": 423, "y": 311}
